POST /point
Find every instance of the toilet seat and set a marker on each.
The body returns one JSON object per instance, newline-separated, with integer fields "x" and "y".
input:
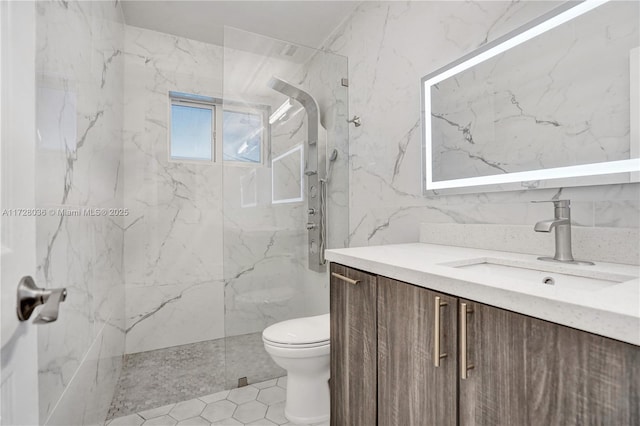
{"x": 308, "y": 332}
{"x": 295, "y": 345}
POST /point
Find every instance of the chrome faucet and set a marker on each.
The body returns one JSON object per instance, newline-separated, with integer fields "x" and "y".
{"x": 562, "y": 224}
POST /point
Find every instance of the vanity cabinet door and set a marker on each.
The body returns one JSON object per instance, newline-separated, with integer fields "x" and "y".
{"x": 574, "y": 377}
{"x": 493, "y": 391}
{"x": 528, "y": 371}
{"x": 353, "y": 347}
{"x": 412, "y": 390}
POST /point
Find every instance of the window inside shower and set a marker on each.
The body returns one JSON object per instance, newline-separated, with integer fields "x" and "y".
{"x": 243, "y": 135}
{"x": 192, "y": 131}
{"x": 196, "y": 130}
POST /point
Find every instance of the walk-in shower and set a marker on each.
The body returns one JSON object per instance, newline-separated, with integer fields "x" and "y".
{"x": 280, "y": 213}
{"x": 314, "y": 170}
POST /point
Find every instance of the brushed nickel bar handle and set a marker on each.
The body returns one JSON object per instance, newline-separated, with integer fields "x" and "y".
{"x": 345, "y": 279}
{"x": 464, "y": 362}
{"x": 436, "y": 332}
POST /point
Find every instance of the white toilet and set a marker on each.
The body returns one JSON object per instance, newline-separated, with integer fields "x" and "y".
{"x": 301, "y": 346}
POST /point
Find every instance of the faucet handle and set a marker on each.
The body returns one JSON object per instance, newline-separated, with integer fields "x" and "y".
{"x": 556, "y": 203}
{"x": 30, "y": 296}
{"x": 49, "y": 312}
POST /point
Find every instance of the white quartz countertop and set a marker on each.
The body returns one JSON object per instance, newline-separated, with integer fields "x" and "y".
{"x": 612, "y": 311}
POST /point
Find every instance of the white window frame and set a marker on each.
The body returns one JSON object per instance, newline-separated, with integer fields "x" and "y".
{"x": 175, "y": 98}
{"x": 217, "y": 107}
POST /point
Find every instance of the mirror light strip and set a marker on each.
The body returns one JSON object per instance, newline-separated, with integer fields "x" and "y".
{"x": 594, "y": 169}
{"x": 541, "y": 28}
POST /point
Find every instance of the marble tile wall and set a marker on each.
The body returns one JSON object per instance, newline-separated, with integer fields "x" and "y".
{"x": 173, "y": 235}
{"x": 390, "y": 46}
{"x": 78, "y": 161}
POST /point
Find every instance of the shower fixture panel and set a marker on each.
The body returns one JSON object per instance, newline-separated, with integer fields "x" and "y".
{"x": 315, "y": 171}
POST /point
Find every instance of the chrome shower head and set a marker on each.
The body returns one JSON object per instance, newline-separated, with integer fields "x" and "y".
{"x": 288, "y": 89}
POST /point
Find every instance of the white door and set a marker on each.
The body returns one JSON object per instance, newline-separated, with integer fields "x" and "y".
{"x": 19, "y": 350}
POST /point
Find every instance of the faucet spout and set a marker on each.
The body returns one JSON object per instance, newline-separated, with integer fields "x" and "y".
{"x": 548, "y": 225}
{"x": 562, "y": 225}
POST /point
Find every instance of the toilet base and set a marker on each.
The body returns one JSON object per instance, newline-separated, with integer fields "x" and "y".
{"x": 307, "y": 399}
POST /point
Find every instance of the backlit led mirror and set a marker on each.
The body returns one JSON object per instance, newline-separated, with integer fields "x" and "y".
{"x": 552, "y": 104}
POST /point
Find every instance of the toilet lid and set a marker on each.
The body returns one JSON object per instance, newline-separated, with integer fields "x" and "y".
{"x": 299, "y": 331}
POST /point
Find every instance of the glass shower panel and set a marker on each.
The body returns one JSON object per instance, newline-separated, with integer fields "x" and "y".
{"x": 266, "y": 267}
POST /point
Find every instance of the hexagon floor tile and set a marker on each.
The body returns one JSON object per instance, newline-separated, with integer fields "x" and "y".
{"x": 242, "y": 395}
{"x": 256, "y": 404}
{"x": 250, "y": 412}
{"x": 219, "y": 410}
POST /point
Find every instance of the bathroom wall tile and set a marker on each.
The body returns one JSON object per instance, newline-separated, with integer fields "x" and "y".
{"x": 83, "y": 401}
{"x": 159, "y": 316}
{"x": 173, "y": 235}
{"x": 173, "y": 245}
{"x": 616, "y": 245}
{"x": 78, "y": 155}
{"x": 624, "y": 213}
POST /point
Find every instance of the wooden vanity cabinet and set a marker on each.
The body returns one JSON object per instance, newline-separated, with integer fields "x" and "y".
{"x": 411, "y": 322}
{"x": 527, "y": 371}
{"x": 353, "y": 347}
{"x": 519, "y": 370}
{"x": 493, "y": 392}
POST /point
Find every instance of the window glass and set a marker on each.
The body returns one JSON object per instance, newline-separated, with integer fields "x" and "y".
{"x": 191, "y": 132}
{"x": 242, "y": 136}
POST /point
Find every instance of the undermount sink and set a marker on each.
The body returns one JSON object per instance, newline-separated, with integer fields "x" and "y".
{"x": 551, "y": 275}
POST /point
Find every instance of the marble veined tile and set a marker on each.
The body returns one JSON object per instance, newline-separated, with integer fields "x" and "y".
{"x": 161, "y": 316}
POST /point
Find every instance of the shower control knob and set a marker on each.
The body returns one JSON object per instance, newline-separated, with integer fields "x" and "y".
{"x": 311, "y": 212}
{"x": 311, "y": 226}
